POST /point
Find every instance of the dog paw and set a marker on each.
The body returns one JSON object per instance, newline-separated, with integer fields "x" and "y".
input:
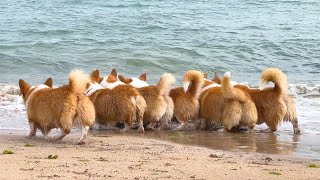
{"x": 82, "y": 142}
{"x": 141, "y": 130}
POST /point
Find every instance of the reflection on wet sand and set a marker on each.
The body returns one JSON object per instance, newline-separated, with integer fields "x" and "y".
{"x": 269, "y": 143}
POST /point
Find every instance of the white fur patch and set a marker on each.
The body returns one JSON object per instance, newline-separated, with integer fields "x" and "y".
{"x": 137, "y": 83}
{"x": 227, "y": 74}
{"x": 93, "y": 88}
{"x": 186, "y": 86}
{"x": 209, "y": 87}
{"x": 105, "y": 84}
{"x": 42, "y": 86}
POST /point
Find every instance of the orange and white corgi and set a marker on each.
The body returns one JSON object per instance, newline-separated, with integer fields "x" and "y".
{"x": 61, "y": 107}
{"x": 186, "y": 104}
{"x": 135, "y": 82}
{"x": 226, "y": 105}
{"x": 122, "y": 103}
{"x": 274, "y": 104}
{"x": 159, "y": 104}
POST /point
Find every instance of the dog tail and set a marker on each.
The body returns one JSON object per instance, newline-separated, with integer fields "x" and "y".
{"x": 141, "y": 106}
{"x": 165, "y": 83}
{"x": 78, "y": 81}
{"x": 277, "y": 77}
{"x": 291, "y": 114}
{"x": 229, "y": 92}
{"x": 192, "y": 82}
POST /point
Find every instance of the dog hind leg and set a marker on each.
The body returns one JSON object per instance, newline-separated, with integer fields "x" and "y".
{"x": 33, "y": 130}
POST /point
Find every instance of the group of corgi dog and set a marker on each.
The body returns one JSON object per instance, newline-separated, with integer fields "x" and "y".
{"x": 89, "y": 99}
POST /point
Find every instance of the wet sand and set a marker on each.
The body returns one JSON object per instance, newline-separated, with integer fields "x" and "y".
{"x": 110, "y": 155}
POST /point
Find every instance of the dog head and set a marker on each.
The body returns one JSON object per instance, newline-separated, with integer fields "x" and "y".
{"x": 26, "y": 89}
{"x": 94, "y": 84}
{"x": 135, "y": 82}
{"x": 111, "y": 80}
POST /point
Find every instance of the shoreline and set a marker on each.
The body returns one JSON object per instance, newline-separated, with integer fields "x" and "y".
{"x": 133, "y": 157}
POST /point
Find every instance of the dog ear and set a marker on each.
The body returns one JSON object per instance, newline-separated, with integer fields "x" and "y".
{"x": 48, "y": 82}
{"x": 143, "y": 77}
{"x": 24, "y": 87}
{"x": 216, "y": 78}
{"x": 114, "y": 72}
{"x": 125, "y": 80}
{"x": 205, "y": 75}
{"x": 95, "y": 75}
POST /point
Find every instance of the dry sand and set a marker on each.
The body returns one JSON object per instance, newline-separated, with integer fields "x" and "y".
{"x": 126, "y": 157}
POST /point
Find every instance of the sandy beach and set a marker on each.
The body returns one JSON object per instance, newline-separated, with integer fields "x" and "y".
{"x": 121, "y": 156}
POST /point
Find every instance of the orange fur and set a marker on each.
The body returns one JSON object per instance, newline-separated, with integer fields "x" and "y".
{"x": 60, "y": 107}
{"x": 228, "y": 106}
{"x": 273, "y": 104}
{"x": 123, "y": 103}
{"x": 143, "y": 77}
{"x": 186, "y": 104}
{"x": 159, "y": 107}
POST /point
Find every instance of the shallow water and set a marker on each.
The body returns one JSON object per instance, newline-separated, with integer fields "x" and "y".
{"x": 304, "y": 146}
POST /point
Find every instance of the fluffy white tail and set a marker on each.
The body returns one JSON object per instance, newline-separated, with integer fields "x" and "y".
{"x": 78, "y": 81}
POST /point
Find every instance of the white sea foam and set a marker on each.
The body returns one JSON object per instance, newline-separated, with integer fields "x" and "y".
{"x": 307, "y": 99}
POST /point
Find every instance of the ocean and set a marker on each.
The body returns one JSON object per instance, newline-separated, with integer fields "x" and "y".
{"x": 40, "y": 39}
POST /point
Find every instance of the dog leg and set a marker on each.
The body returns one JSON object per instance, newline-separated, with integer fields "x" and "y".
{"x": 33, "y": 130}
{"x": 295, "y": 125}
{"x": 251, "y": 130}
{"x": 84, "y": 134}
{"x": 46, "y": 134}
{"x": 151, "y": 125}
{"x": 127, "y": 127}
{"x": 197, "y": 124}
{"x": 111, "y": 126}
{"x": 61, "y": 136}
{"x": 181, "y": 127}
{"x": 203, "y": 124}
{"x": 140, "y": 125}
{"x": 272, "y": 127}
{"x": 164, "y": 124}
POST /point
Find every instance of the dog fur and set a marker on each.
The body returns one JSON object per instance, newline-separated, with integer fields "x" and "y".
{"x": 122, "y": 103}
{"x": 159, "y": 104}
{"x": 186, "y": 104}
{"x": 227, "y": 105}
{"x": 61, "y": 107}
{"x": 273, "y": 104}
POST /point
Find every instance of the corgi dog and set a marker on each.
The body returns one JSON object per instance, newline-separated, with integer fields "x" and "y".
{"x": 115, "y": 101}
{"x": 61, "y": 107}
{"x": 159, "y": 103}
{"x": 139, "y": 82}
{"x": 185, "y": 99}
{"x": 274, "y": 104}
{"x": 226, "y": 105}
